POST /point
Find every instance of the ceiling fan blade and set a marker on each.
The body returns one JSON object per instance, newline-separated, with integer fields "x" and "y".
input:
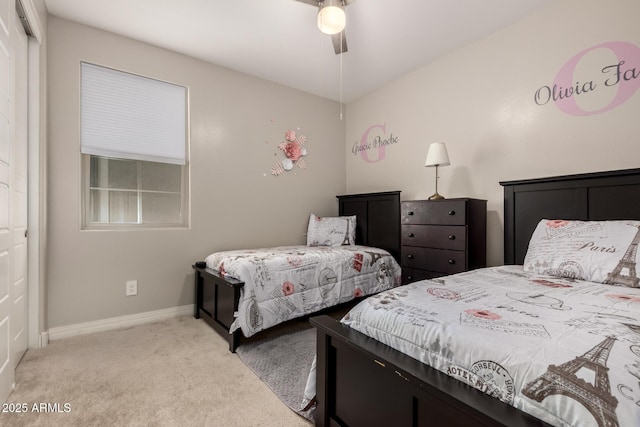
{"x": 339, "y": 42}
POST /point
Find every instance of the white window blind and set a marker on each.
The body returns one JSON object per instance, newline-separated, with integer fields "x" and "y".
{"x": 132, "y": 117}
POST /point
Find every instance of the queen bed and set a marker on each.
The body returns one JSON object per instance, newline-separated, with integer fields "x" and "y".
{"x": 242, "y": 292}
{"x": 552, "y": 337}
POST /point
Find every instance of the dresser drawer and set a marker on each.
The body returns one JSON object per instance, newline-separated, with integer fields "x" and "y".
{"x": 444, "y": 212}
{"x": 410, "y": 275}
{"x": 438, "y": 260}
{"x": 435, "y": 236}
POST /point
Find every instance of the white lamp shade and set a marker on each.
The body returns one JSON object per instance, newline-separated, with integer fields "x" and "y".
{"x": 437, "y": 155}
{"x": 331, "y": 20}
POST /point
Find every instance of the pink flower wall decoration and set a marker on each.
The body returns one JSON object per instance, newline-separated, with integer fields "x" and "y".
{"x": 290, "y": 135}
{"x": 294, "y": 150}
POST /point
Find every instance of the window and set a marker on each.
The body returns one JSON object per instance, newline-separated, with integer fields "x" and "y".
{"x": 133, "y": 145}
{"x": 134, "y": 192}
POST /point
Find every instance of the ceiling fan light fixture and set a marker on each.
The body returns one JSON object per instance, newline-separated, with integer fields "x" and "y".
{"x": 331, "y": 19}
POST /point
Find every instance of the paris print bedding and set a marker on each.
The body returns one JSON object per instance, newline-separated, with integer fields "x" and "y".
{"x": 564, "y": 350}
{"x": 286, "y": 282}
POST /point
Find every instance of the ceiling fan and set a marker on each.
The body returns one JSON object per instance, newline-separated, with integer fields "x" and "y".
{"x": 331, "y": 20}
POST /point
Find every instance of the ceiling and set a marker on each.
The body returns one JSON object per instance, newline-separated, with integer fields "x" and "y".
{"x": 278, "y": 40}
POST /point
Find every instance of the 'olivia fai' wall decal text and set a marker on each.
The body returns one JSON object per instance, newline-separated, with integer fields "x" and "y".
{"x": 624, "y": 75}
{"x": 376, "y": 143}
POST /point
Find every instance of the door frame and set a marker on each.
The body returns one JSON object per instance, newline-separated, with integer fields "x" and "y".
{"x": 36, "y": 159}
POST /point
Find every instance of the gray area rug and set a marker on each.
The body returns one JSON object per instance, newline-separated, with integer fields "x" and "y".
{"x": 281, "y": 357}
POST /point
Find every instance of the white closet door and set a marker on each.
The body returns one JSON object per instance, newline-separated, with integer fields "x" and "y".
{"x": 13, "y": 194}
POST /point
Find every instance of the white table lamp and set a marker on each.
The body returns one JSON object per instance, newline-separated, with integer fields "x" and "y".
{"x": 437, "y": 156}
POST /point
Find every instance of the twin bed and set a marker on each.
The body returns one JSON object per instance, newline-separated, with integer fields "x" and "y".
{"x": 527, "y": 343}
{"x": 241, "y": 292}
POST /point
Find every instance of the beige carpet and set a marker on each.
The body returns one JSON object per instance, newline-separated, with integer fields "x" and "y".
{"x": 177, "y": 372}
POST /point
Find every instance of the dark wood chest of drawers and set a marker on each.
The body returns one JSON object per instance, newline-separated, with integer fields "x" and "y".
{"x": 441, "y": 237}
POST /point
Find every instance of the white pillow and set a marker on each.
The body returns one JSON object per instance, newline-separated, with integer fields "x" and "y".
{"x": 331, "y": 231}
{"x": 597, "y": 251}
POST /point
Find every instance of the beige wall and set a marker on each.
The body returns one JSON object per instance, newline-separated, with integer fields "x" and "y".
{"x": 479, "y": 100}
{"x": 237, "y": 122}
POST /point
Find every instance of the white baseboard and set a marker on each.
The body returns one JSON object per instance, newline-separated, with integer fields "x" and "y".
{"x": 116, "y": 322}
{"x": 44, "y": 339}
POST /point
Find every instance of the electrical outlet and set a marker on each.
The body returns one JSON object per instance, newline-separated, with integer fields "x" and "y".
{"x": 132, "y": 288}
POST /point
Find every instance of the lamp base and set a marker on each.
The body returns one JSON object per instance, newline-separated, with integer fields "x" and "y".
{"x": 436, "y": 196}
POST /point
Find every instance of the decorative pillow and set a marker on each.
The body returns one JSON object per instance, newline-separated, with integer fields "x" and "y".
{"x": 597, "y": 251}
{"x": 331, "y": 231}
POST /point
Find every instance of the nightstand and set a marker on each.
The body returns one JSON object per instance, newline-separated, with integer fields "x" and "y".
{"x": 441, "y": 237}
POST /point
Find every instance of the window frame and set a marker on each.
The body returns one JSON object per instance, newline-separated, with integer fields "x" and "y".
{"x": 85, "y": 168}
{"x": 86, "y": 199}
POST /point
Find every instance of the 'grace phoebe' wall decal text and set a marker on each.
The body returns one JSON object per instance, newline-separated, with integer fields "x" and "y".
{"x": 376, "y": 143}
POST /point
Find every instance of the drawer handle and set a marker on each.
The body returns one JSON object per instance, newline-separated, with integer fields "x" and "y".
{"x": 452, "y": 237}
{"x": 410, "y": 213}
{"x": 409, "y": 277}
{"x": 410, "y": 256}
{"x": 452, "y": 261}
{"x": 452, "y": 212}
{"x": 411, "y": 235}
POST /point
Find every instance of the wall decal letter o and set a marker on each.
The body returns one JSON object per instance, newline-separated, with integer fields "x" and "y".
{"x": 624, "y": 51}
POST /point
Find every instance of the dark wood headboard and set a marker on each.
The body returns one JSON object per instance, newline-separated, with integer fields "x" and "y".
{"x": 377, "y": 219}
{"x": 590, "y": 196}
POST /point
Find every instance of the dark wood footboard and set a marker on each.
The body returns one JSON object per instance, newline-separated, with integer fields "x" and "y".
{"x": 362, "y": 382}
{"x": 216, "y": 300}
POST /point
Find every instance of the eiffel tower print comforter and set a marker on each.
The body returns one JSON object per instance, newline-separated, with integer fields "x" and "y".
{"x": 564, "y": 350}
{"x": 286, "y": 282}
